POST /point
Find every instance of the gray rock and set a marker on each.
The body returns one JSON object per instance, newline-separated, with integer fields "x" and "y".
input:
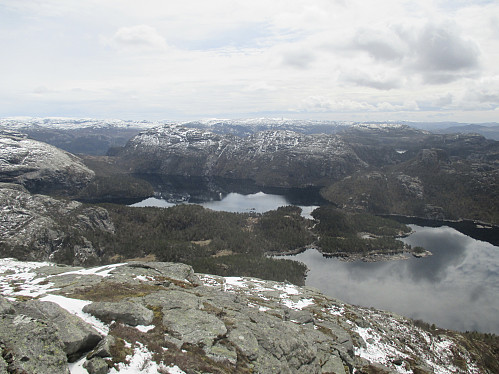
{"x": 3, "y": 364}
{"x": 132, "y": 314}
{"x": 244, "y": 339}
{"x": 77, "y": 336}
{"x": 193, "y": 326}
{"x": 40, "y": 167}
{"x": 34, "y": 227}
{"x": 96, "y": 365}
{"x": 6, "y": 306}
{"x": 103, "y": 349}
{"x": 31, "y": 346}
{"x": 172, "y": 299}
{"x": 173, "y": 271}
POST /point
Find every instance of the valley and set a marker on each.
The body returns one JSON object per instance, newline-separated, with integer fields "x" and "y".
{"x": 74, "y": 210}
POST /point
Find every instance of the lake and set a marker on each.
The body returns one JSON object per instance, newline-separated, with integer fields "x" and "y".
{"x": 234, "y": 202}
{"x": 456, "y": 288}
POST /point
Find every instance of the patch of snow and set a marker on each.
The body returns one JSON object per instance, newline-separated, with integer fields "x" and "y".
{"x": 306, "y": 211}
{"x": 144, "y": 328}
{"x": 75, "y": 306}
{"x": 174, "y": 370}
{"x": 288, "y": 289}
{"x": 77, "y": 367}
{"x": 376, "y": 350}
{"x": 336, "y": 310}
{"x": 18, "y": 279}
{"x": 298, "y": 305}
{"x": 139, "y": 363}
{"x": 232, "y": 283}
{"x": 103, "y": 271}
{"x": 143, "y": 278}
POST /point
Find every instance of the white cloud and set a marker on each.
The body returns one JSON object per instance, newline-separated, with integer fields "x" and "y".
{"x": 383, "y": 81}
{"x": 139, "y": 37}
{"x": 232, "y": 56}
{"x": 380, "y": 44}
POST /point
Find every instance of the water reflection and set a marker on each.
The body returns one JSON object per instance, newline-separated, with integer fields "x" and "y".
{"x": 455, "y": 288}
{"x": 234, "y": 202}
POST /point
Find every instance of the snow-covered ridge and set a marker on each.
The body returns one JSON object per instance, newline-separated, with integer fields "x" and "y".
{"x": 65, "y": 123}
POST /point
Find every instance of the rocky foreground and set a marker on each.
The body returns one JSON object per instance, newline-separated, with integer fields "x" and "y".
{"x": 149, "y": 317}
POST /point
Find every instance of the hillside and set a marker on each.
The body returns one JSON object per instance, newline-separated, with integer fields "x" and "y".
{"x": 146, "y": 317}
{"x": 377, "y": 168}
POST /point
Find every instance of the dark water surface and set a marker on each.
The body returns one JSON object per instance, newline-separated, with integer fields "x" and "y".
{"x": 456, "y": 288}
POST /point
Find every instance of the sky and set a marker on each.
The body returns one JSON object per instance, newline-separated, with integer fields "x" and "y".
{"x": 347, "y": 60}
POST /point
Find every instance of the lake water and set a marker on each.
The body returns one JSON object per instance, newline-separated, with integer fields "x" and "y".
{"x": 456, "y": 288}
{"x": 234, "y": 202}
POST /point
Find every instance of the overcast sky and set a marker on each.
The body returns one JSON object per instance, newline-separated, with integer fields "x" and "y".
{"x": 318, "y": 59}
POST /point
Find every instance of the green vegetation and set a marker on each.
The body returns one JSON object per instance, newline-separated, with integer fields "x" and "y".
{"x": 212, "y": 242}
{"x": 345, "y": 233}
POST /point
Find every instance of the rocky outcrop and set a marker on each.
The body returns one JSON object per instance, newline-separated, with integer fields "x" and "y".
{"x": 204, "y": 323}
{"x": 40, "y": 167}
{"x": 272, "y": 158}
{"x": 77, "y": 336}
{"x": 39, "y": 227}
{"x": 132, "y": 314}
{"x": 30, "y": 346}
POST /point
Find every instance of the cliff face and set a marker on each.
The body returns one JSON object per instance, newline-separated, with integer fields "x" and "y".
{"x": 163, "y": 317}
{"x": 39, "y": 227}
{"x": 40, "y": 167}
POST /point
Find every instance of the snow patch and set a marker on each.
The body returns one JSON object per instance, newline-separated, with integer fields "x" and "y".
{"x": 103, "y": 271}
{"x": 75, "y": 306}
{"x": 140, "y": 362}
{"x": 144, "y": 328}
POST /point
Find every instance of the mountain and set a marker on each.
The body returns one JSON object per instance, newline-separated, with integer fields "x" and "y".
{"x": 488, "y": 131}
{"x": 40, "y": 167}
{"x": 274, "y": 158}
{"x": 145, "y": 317}
{"x": 436, "y": 176}
{"x": 78, "y": 136}
{"x": 379, "y": 168}
{"x": 39, "y": 227}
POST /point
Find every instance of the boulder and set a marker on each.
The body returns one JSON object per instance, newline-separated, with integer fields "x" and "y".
{"x": 193, "y": 326}
{"x": 30, "y": 345}
{"x": 132, "y": 314}
{"x": 6, "y": 306}
{"x": 103, "y": 349}
{"x": 77, "y": 336}
{"x": 96, "y": 365}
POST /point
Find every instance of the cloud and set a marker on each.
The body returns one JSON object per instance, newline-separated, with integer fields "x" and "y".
{"x": 381, "y": 45}
{"x": 140, "y": 37}
{"x": 260, "y": 86}
{"x": 300, "y": 59}
{"x": 379, "y": 82}
{"x": 318, "y": 103}
{"x": 442, "y": 55}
